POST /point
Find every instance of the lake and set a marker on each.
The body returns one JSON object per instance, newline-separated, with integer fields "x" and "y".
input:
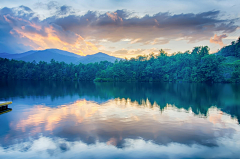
{"x": 120, "y": 120}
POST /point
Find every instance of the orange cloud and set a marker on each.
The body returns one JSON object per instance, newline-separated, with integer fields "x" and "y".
{"x": 129, "y": 53}
{"x": 114, "y": 16}
{"x": 216, "y": 118}
{"x": 112, "y": 141}
{"x": 42, "y": 37}
{"x": 218, "y": 39}
{"x": 51, "y": 117}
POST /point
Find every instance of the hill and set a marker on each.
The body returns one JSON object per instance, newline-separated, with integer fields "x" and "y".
{"x": 96, "y": 58}
{"x": 58, "y": 55}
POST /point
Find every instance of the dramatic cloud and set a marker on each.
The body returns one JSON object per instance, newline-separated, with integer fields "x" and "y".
{"x": 218, "y": 39}
{"x": 31, "y": 32}
{"x": 156, "y": 29}
{"x": 83, "y": 34}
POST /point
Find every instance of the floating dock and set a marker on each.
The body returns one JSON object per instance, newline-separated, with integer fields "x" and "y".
{"x": 4, "y": 107}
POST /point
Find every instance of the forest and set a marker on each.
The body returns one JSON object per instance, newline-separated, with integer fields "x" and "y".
{"x": 190, "y": 66}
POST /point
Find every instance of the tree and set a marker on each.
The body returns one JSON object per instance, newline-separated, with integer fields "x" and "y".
{"x": 196, "y": 50}
{"x": 162, "y": 53}
{"x": 204, "y": 51}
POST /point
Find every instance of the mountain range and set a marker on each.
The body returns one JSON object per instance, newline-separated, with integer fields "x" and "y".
{"x": 58, "y": 55}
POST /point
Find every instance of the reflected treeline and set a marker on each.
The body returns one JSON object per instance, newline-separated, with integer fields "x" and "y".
{"x": 56, "y": 89}
{"x": 198, "y": 97}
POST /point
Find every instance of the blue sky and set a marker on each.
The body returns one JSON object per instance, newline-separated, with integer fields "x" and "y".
{"x": 123, "y": 28}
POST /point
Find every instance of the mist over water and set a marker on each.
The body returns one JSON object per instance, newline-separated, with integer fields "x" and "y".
{"x": 120, "y": 120}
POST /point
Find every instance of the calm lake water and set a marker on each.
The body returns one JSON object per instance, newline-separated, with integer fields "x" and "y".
{"x": 120, "y": 120}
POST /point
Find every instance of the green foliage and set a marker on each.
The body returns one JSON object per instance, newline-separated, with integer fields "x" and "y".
{"x": 236, "y": 72}
{"x": 195, "y": 66}
{"x": 231, "y": 50}
{"x": 15, "y": 70}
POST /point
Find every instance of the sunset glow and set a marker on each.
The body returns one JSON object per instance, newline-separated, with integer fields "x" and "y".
{"x": 125, "y": 31}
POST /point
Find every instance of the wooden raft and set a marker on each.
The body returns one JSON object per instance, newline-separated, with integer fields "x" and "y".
{"x": 4, "y": 106}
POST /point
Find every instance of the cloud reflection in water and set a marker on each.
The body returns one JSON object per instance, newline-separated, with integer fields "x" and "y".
{"x": 46, "y": 147}
{"x": 120, "y": 120}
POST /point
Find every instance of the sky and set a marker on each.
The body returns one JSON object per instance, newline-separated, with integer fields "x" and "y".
{"x": 121, "y": 28}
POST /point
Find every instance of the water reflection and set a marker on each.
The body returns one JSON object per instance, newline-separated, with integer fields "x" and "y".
{"x": 198, "y": 97}
{"x": 46, "y": 147}
{"x": 117, "y": 120}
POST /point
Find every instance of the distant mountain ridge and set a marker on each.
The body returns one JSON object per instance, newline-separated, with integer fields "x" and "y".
{"x": 58, "y": 55}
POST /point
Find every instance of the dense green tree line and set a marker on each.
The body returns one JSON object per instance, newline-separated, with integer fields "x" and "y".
{"x": 191, "y": 66}
{"x": 13, "y": 69}
{"x": 195, "y": 66}
{"x": 231, "y": 50}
